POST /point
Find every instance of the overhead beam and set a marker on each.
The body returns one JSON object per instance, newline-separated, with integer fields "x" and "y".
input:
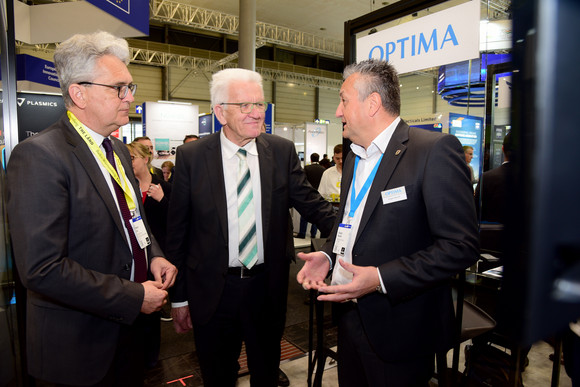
{"x": 174, "y": 12}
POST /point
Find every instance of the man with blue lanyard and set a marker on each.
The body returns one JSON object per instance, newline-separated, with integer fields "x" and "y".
{"x": 406, "y": 224}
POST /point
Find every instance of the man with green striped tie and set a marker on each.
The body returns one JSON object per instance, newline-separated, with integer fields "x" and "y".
{"x": 227, "y": 233}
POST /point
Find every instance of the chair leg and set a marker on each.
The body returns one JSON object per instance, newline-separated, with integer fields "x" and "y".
{"x": 442, "y": 370}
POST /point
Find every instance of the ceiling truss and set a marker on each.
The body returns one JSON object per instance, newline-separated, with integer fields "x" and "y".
{"x": 203, "y": 65}
{"x": 174, "y": 12}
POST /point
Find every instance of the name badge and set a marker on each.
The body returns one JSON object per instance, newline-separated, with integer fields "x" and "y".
{"x": 342, "y": 237}
{"x": 140, "y": 232}
{"x": 394, "y": 195}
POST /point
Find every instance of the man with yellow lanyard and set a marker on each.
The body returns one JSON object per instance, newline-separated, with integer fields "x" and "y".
{"x": 93, "y": 270}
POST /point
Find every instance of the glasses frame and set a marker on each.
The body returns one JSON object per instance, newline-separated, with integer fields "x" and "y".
{"x": 252, "y": 104}
{"x": 119, "y": 88}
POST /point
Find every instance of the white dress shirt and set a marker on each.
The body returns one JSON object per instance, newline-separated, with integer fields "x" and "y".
{"x": 99, "y": 140}
{"x": 230, "y": 165}
{"x": 368, "y": 159}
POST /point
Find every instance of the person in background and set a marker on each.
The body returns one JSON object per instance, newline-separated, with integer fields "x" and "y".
{"x": 314, "y": 173}
{"x": 406, "y": 225}
{"x": 325, "y": 162}
{"x": 155, "y": 195}
{"x": 329, "y": 186}
{"x": 468, "y": 152}
{"x": 167, "y": 168}
{"x": 147, "y": 142}
{"x": 91, "y": 266}
{"x": 492, "y": 188}
{"x": 234, "y": 258}
{"x": 190, "y": 138}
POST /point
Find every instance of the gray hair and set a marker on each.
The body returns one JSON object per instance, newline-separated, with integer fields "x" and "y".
{"x": 377, "y": 76}
{"x": 76, "y": 57}
{"x": 219, "y": 87}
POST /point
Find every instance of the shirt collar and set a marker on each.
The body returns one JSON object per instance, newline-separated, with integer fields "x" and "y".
{"x": 96, "y": 136}
{"x": 379, "y": 144}
{"x": 230, "y": 149}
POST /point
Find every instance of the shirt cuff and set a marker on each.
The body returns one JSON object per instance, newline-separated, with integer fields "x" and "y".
{"x": 329, "y": 260}
{"x": 179, "y": 304}
{"x": 383, "y": 290}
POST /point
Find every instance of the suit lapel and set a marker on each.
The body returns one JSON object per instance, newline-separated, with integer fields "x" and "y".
{"x": 266, "y": 161}
{"x": 346, "y": 181}
{"x": 213, "y": 159}
{"x": 87, "y": 160}
{"x": 394, "y": 152}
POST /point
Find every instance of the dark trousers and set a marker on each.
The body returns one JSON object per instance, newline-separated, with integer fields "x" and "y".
{"x": 128, "y": 367}
{"x": 571, "y": 351}
{"x": 304, "y": 225}
{"x": 359, "y": 365}
{"x": 242, "y": 315}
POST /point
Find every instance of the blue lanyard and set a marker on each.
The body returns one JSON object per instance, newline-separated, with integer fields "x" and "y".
{"x": 354, "y": 199}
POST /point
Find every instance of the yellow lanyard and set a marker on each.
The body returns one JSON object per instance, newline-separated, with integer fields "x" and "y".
{"x": 95, "y": 148}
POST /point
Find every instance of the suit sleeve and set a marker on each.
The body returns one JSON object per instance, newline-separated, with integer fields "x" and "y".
{"x": 178, "y": 224}
{"x": 40, "y": 208}
{"x": 306, "y": 199}
{"x": 448, "y": 199}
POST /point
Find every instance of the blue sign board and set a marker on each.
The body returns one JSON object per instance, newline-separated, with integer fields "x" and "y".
{"x": 33, "y": 69}
{"x": 132, "y": 12}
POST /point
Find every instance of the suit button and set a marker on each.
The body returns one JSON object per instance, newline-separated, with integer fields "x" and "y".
{"x": 127, "y": 267}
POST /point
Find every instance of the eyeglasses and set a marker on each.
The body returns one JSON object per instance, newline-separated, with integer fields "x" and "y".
{"x": 247, "y": 107}
{"x": 122, "y": 90}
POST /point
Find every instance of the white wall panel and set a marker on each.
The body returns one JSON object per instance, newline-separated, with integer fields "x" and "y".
{"x": 294, "y": 104}
{"x": 328, "y": 103}
{"x": 417, "y": 93}
{"x": 148, "y": 80}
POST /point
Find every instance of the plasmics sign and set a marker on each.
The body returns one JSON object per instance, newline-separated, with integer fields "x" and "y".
{"x": 444, "y": 37}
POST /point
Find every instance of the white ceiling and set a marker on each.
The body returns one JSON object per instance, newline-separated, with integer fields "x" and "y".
{"x": 301, "y": 15}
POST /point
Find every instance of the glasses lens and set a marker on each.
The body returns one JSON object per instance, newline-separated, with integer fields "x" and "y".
{"x": 124, "y": 90}
{"x": 246, "y": 108}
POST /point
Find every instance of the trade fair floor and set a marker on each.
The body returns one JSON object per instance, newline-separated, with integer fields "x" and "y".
{"x": 178, "y": 365}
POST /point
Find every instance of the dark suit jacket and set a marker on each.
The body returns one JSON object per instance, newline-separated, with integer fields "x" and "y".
{"x": 72, "y": 255}
{"x": 418, "y": 244}
{"x": 314, "y": 174}
{"x": 493, "y": 188}
{"x": 157, "y": 211}
{"x": 197, "y": 237}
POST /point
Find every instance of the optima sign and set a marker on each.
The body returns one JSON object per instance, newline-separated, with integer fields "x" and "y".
{"x": 444, "y": 37}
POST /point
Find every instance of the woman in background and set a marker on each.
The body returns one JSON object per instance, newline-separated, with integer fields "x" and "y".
{"x": 155, "y": 194}
{"x": 167, "y": 168}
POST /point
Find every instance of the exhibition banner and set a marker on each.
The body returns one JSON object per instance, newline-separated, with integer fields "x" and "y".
{"x": 30, "y": 68}
{"x": 35, "y": 113}
{"x": 133, "y": 12}
{"x": 444, "y": 37}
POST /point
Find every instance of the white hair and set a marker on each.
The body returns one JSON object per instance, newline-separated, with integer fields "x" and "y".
{"x": 219, "y": 86}
{"x": 76, "y": 57}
